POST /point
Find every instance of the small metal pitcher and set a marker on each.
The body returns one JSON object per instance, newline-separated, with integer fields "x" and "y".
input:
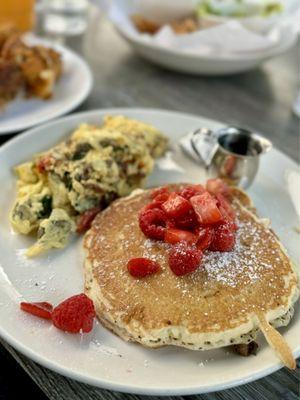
{"x": 233, "y": 153}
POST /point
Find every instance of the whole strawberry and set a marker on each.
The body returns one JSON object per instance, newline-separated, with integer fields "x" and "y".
{"x": 75, "y": 314}
{"x": 184, "y": 258}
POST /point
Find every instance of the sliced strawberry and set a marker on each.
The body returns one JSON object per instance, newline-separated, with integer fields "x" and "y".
{"x": 215, "y": 186}
{"x": 157, "y": 192}
{"x": 205, "y": 206}
{"x": 75, "y": 314}
{"x": 171, "y": 223}
{"x": 40, "y": 309}
{"x": 141, "y": 267}
{"x": 205, "y": 237}
{"x": 184, "y": 259}
{"x": 153, "y": 223}
{"x": 158, "y": 200}
{"x": 225, "y": 207}
{"x": 176, "y": 206}
{"x": 161, "y": 198}
{"x": 224, "y": 238}
{"x": 189, "y": 221}
{"x": 85, "y": 220}
{"x": 191, "y": 190}
{"x": 173, "y": 236}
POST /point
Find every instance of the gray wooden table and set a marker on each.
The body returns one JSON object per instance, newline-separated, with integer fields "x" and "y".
{"x": 261, "y": 99}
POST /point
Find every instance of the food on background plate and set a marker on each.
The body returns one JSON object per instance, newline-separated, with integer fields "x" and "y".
{"x": 61, "y": 190}
{"x": 258, "y": 16}
{"x": 239, "y": 8}
{"x": 11, "y": 80}
{"x": 182, "y": 26}
{"x": 144, "y": 25}
{"x": 209, "y": 13}
{"x": 31, "y": 69}
{"x": 190, "y": 266}
{"x": 186, "y": 25}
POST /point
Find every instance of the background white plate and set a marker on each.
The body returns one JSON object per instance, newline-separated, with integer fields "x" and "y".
{"x": 100, "y": 358}
{"x": 197, "y": 64}
{"x": 72, "y": 88}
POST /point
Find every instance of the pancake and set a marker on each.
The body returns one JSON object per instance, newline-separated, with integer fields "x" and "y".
{"x": 225, "y": 302}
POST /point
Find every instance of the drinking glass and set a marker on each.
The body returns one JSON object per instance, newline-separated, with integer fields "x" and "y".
{"x": 64, "y": 17}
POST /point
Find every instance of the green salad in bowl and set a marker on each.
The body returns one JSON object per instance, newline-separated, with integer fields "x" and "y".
{"x": 258, "y": 15}
{"x": 239, "y": 8}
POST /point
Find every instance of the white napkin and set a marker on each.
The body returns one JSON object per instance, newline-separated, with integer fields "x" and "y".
{"x": 230, "y": 37}
{"x": 185, "y": 144}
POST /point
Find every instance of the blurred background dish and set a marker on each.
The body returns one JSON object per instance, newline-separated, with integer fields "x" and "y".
{"x": 31, "y": 70}
{"x": 39, "y": 78}
{"x": 257, "y": 15}
{"x": 187, "y": 46}
{"x": 72, "y": 88}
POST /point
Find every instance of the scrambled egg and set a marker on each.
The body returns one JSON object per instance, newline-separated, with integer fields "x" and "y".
{"x": 88, "y": 170}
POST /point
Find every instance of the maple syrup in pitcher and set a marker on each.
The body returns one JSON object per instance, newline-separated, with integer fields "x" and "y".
{"x": 240, "y": 143}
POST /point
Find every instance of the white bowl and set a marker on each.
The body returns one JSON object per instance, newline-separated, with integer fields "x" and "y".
{"x": 208, "y": 62}
{"x": 205, "y": 64}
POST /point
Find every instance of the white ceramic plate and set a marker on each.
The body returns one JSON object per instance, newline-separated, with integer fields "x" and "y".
{"x": 72, "y": 88}
{"x": 101, "y": 358}
{"x": 211, "y": 63}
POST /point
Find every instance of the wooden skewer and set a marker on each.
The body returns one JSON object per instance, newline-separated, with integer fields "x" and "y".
{"x": 276, "y": 341}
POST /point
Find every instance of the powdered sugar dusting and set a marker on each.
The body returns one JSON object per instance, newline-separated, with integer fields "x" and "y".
{"x": 149, "y": 250}
{"x": 246, "y": 261}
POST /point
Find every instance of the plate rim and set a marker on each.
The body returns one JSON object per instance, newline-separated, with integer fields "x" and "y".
{"x": 108, "y": 383}
{"x": 72, "y": 104}
{"x": 136, "y": 389}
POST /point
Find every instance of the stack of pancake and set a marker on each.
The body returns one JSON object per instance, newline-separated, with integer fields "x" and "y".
{"x": 225, "y": 302}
